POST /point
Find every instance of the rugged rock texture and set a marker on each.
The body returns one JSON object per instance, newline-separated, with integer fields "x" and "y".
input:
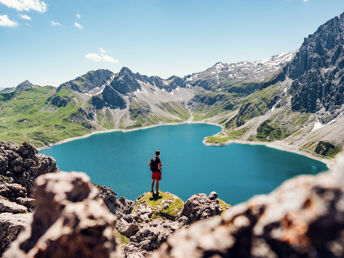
{"x": 88, "y": 81}
{"x": 10, "y": 226}
{"x": 318, "y": 70}
{"x": 69, "y": 221}
{"x": 108, "y": 98}
{"x": 302, "y": 218}
{"x": 127, "y": 82}
{"x": 148, "y": 221}
{"x": 200, "y": 206}
{"x": 119, "y": 207}
{"x": 19, "y": 167}
{"x": 58, "y": 101}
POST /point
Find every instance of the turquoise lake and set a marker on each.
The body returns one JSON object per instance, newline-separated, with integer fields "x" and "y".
{"x": 236, "y": 172}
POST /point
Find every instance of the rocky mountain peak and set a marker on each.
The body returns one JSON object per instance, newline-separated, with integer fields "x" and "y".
{"x": 89, "y": 81}
{"x": 224, "y": 75}
{"x": 125, "y": 71}
{"x": 24, "y": 86}
{"x": 317, "y": 69}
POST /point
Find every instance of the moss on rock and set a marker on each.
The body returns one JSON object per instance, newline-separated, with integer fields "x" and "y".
{"x": 225, "y": 206}
{"x": 166, "y": 205}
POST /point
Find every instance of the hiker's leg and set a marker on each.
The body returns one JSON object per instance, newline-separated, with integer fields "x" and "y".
{"x": 157, "y": 186}
{"x": 153, "y": 184}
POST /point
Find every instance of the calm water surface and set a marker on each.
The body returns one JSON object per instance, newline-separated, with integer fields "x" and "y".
{"x": 237, "y": 172}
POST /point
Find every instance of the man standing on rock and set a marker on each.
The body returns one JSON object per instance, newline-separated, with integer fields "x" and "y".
{"x": 155, "y": 166}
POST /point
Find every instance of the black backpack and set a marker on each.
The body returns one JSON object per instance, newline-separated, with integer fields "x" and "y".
{"x": 154, "y": 164}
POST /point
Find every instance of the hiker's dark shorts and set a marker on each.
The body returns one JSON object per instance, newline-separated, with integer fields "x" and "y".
{"x": 156, "y": 175}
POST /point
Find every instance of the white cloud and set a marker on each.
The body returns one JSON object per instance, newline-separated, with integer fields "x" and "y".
{"x": 6, "y": 22}
{"x": 109, "y": 59}
{"x": 78, "y": 16}
{"x": 78, "y": 25}
{"x": 306, "y": 1}
{"x": 55, "y": 23}
{"x": 25, "y": 17}
{"x": 26, "y": 5}
{"x": 95, "y": 57}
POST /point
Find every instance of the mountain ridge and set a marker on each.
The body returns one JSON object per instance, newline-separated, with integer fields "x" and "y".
{"x": 295, "y": 98}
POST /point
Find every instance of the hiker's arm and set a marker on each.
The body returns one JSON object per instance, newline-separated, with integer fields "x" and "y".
{"x": 159, "y": 166}
{"x": 149, "y": 164}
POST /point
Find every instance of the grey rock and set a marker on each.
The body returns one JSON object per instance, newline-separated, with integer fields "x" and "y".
{"x": 12, "y": 207}
{"x": 213, "y": 196}
{"x": 58, "y": 101}
{"x": 12, "y": 191}
{"x": 127, "y": 229}
{"x": 27, "y": 202}
{"x": 317, "y": 71}
{"x": 69, "y": 221}
{"x": 108, "y": 98}
{"x": 120, "y": 207}
{"x": 20, "y": 166}
{"x": 10, "y": 226}
{"x": 199, "y": 207}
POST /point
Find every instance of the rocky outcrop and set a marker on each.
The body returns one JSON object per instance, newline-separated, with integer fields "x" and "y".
{"x": 120, "y": 207}
{"x": 302, "y": 218}
{"x": 69, "y": 221}
{"x": 147, "y": 222}
{"x": 19, "y": 167}
{"x": 108, "y": 98}
{"x": 200, "y": 206}
{"x": 58, "y": 101}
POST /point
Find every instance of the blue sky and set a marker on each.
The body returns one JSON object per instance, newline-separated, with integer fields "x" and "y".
{"x": 53, "y": 41}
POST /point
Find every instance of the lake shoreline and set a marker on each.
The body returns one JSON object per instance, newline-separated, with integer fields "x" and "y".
{"x": 124, "y": 131}
{"x": 275, "y": 145}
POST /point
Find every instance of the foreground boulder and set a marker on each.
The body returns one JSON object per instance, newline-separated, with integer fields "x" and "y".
{"x": 10, "y": 226}
{"x": 302, "y": 218}
{"x": 19, "y": 167}
{"x": 69, "y": 221}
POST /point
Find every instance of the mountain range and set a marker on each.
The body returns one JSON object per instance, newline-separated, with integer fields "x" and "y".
{"x": 294, "y": 98}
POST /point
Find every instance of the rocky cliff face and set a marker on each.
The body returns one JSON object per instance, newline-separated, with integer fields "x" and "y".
{"x": 317, "y": 70}
{"x": 302, "y": 218}
{"x": 108, "y": 98}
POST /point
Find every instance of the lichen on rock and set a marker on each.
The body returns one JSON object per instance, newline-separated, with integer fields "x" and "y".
{"x": 150, "y": 206}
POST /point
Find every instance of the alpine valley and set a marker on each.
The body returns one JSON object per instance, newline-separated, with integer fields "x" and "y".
{"x": 294, "y": 98}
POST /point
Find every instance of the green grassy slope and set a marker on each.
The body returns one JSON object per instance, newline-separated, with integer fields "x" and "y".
{"x": 27, "y": 116}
